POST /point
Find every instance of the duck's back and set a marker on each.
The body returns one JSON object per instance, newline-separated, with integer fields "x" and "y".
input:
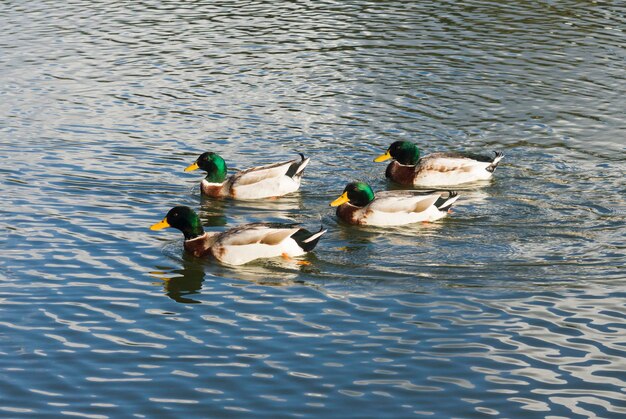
{"x": 253, "y": 241}
{"x": 267, "y": 181}
{"x": 444, "y": 169}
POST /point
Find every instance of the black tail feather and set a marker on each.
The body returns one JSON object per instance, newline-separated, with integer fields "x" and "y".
{"x": 496, "y": 159}
{"x": 444, "y": 204}
{"x": 293, "y": 169}
{"x": 307, "y": 240}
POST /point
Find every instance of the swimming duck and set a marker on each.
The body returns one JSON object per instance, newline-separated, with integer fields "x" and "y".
{"x": 255, "y": 183}
{"x": 242, "y": 244}
{"x": 437, "y": 169}
{"x": 359, "y": 205}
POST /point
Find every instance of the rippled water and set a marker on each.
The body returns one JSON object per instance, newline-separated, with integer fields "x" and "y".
{"x": 513, "y": 306}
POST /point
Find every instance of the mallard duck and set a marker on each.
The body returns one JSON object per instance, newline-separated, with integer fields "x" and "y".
{"x": 437, "y": 169}
{"x": 255, "y": 183}
{"x": 359, "y": 205}
{"x": 242, "y": 244}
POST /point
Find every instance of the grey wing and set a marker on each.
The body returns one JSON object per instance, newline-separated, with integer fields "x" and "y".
{"x": 462, "y": 156}
{"x": 256, "y": 233}
{"x": 259, "y": 173}
{"x": 403, "y": 201}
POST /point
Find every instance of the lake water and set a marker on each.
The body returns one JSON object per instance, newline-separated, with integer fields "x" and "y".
{"x": 512, "y": 306}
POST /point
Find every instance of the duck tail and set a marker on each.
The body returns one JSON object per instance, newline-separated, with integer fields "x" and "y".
{"x": 297, "y": 168}
{"x": 444, "y": 204}
{"x": 494, "y": 163}
{"x": 307, "y": 240}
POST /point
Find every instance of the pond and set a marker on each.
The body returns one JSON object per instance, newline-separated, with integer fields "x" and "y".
{"x": 513, "y": 305}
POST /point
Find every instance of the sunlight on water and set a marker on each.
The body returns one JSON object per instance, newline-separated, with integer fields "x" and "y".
{"x": 512, "y": 306}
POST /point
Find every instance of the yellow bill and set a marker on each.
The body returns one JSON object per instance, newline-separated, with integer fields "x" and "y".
{"x": 341, "y": 200}
{"x": 383, "y": 157}
{"x": 193, "y": 166}
{"x": 160, "y": 225}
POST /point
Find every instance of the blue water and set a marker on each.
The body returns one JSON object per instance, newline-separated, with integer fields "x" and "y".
{"x": 513, "y": 306}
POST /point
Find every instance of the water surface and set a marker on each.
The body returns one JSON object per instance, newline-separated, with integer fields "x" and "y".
{"x": 512, "y": 306}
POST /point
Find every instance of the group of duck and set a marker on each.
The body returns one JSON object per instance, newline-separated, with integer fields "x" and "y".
{"x": 357, "y": 205}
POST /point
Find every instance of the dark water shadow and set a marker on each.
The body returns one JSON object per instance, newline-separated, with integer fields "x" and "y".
{"x": 180, "y": 283}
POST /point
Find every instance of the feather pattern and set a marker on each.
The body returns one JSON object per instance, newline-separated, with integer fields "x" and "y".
{"x": 259, "y": 182}
{"x": 437, "y": 169}
{"x": 249, "y": 242}
{"x": 359, "y": 205}
{"x": 444, "y": 169}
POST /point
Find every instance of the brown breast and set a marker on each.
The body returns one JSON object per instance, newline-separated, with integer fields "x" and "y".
{"x": 214, "y": 191}
{"x": 399, "y": 173}
{"x": 347, "y": 213}
{"x": 199, "y": 247}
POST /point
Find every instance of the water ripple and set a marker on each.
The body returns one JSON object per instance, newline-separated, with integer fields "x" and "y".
{"x": 511, "y": 306}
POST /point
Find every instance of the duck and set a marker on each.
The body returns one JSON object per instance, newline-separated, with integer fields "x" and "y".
{"x": 260, "y": 182}
{"x": 242, "y": 244}
{"x": 358, "y": 205}
{"x": 437, "y": 169}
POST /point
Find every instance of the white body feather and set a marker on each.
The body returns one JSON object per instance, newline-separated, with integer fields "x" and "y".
{"x": 274, "y": 186}
{"x": 255, "y": 241}
{"x": 401, "y": 207}
{"x": 244, "y": 253}
{"x": 260, "y": 182}
{"x": 441, "y": 170}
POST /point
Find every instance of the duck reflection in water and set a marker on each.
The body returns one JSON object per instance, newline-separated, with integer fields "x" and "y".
{"x": 275, "y": 272}
{"x": 180, "y": 283}
{"x": 284, "y": 207}
{"x": 212, "y": 212}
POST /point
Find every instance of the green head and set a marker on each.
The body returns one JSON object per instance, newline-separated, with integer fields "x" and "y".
{"x": 404, "y": 152}
{"x": 212, "y": 164}
{"x": 183, "y": 219}
{"x": 358, "y": 194}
